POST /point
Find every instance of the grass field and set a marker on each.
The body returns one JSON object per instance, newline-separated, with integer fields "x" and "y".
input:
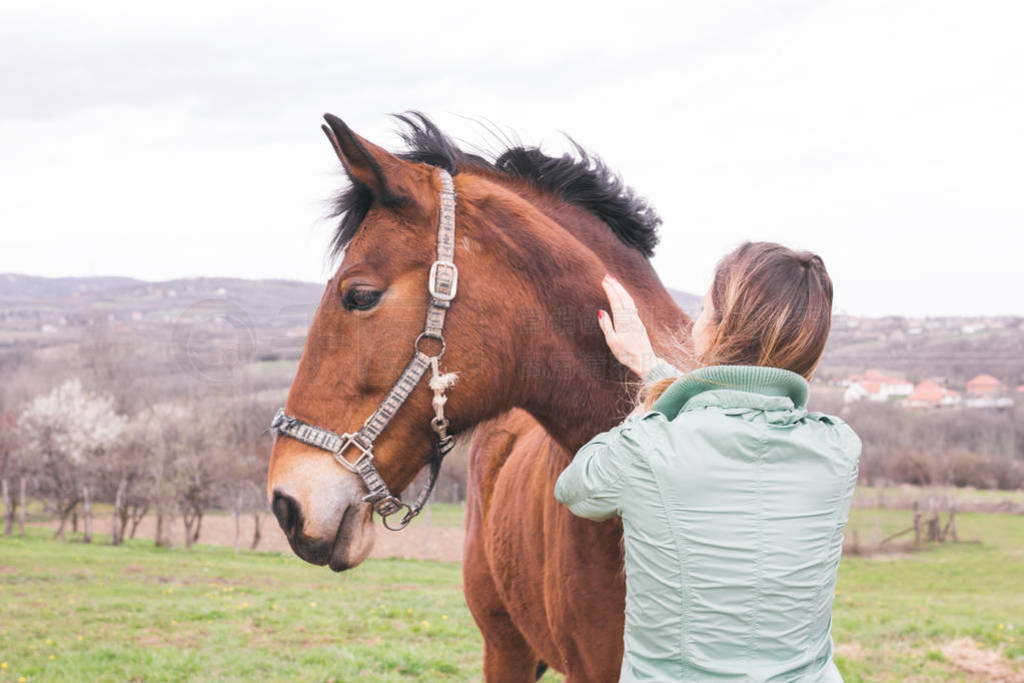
{"x": 72, "y": 611}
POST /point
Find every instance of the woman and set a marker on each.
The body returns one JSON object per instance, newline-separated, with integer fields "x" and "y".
{"x": 733, "y": 497}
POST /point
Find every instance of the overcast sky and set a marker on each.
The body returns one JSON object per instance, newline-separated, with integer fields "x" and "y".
{"x": 178, "y": 140}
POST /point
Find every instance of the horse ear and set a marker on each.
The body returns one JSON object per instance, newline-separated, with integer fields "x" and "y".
{"x": 366, "y": 163}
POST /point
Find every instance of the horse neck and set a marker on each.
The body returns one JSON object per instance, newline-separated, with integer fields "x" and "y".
{"x": 582, "y": 388}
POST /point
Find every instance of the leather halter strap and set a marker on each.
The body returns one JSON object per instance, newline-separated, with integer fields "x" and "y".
{"x": 442, "y": 286}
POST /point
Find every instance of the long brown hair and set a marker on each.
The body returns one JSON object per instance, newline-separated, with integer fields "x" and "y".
{"x": 772, "y": 306}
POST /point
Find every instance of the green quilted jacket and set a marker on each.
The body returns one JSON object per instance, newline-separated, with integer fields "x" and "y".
{"x": 733, "y": 499}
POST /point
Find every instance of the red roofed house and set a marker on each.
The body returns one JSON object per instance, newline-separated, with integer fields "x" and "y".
{"x": 985, "y": 391}
{"x": 875, "y": 386}
{"x": 929, "y": 394}
{"x": 985, "y": 385}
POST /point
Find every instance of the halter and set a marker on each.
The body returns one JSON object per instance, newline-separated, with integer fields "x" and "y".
{"x": 442, "y": 284}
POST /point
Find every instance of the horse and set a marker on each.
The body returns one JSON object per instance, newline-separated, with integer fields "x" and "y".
{"x": 533, "y": 237}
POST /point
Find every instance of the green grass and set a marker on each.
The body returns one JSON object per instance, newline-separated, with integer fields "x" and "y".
{"x": 93, "y": 612}
{"x": 892, "y": 615}
{"x": 140, "y": 612}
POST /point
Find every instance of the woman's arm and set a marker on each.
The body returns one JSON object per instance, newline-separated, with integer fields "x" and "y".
{"x": 593, "y": 483}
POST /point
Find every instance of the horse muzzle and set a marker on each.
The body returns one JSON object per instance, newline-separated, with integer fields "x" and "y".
{"x": 320, "y": 508}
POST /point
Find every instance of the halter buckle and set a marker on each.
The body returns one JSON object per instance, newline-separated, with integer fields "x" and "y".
{"x": 449, "y": 280}
{"x": 365, "y": 452}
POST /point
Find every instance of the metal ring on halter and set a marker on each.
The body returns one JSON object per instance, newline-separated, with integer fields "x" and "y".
{"x": 416, "y": 344}
{"x": 408, "y": 517}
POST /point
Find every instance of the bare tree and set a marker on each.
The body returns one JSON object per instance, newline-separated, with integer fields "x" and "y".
{"x": 126, "y": 474}
{"x": 156, "y": 433}
{"x": 181, "y": 444}
{"x": 244, "y": 454}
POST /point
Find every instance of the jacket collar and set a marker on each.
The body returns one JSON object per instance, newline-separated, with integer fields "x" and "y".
{"x": 734, "y": 386}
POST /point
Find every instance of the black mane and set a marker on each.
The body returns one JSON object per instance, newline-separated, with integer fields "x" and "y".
{"x": 584, "y": 181}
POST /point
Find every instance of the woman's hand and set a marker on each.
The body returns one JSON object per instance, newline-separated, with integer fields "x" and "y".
{"x": 623, "y": 330}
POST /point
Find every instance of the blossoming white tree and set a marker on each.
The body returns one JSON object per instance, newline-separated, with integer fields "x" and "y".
{"x": 65, "y": 434}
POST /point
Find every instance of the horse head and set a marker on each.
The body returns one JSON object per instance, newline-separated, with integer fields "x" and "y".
{"x": 534, "y": 235}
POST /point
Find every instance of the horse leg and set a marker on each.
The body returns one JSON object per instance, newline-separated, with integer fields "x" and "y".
{"x": 507, "y": 656}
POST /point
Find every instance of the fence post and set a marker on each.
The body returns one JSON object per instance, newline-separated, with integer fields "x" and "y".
{"x": 8, "y": 512}
{"x": 158, "y": 536}
{"x": 426, "y": 535}
{"x": 22, "y": 499}
{"x": 115, "y": 517}
{"x": 255, "y": 529}
{"x": 917, "y": 525}
{"x": 87, "y": 511}
{"x": 238, "y": 522}
{"x": 933, "y": 521}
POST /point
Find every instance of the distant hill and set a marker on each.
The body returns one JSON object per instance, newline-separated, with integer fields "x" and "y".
{"x": 267, "y": 320}
{"x": 49, "y": 306}
{"x": 185, "y": 323}
{"x": 690, "y": 303}
{"x": 14, "y": 286}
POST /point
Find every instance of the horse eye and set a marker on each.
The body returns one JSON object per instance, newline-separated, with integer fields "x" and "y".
{"x": 360, "y": 299}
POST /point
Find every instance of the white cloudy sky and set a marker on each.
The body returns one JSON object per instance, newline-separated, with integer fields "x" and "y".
{"x": 184, "y": 140}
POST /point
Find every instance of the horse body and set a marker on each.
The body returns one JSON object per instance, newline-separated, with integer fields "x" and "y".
{"x": 541, "y": 583}
{"x": 534, "y": 237}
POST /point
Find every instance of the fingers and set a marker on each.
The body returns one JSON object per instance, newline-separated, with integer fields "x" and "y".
{"x": 619, "y": 295}
{"x": 604, "y": 321}
{"x": 623, "y": 309}
{"x": 613, "y": 291}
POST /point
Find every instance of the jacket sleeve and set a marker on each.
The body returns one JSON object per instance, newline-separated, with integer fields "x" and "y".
{"x": 661, "y": 369}
{"x": 594, "y": 483}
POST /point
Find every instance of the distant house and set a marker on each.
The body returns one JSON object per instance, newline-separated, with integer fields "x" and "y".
{"x": 930, "y": 394}
{"x": 973, "y": 327}
{"x": 985, "y": 385}
{"x": 874, "y": 385}
{"x": 986, "y": 391}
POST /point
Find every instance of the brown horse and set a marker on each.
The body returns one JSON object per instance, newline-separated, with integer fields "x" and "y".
{"x": 534, "y": 237}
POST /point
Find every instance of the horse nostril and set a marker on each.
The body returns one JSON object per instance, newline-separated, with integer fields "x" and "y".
{"x": 287, "y": 512}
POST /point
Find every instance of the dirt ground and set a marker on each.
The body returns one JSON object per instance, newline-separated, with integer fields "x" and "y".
{"x": 419, "y": 541}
